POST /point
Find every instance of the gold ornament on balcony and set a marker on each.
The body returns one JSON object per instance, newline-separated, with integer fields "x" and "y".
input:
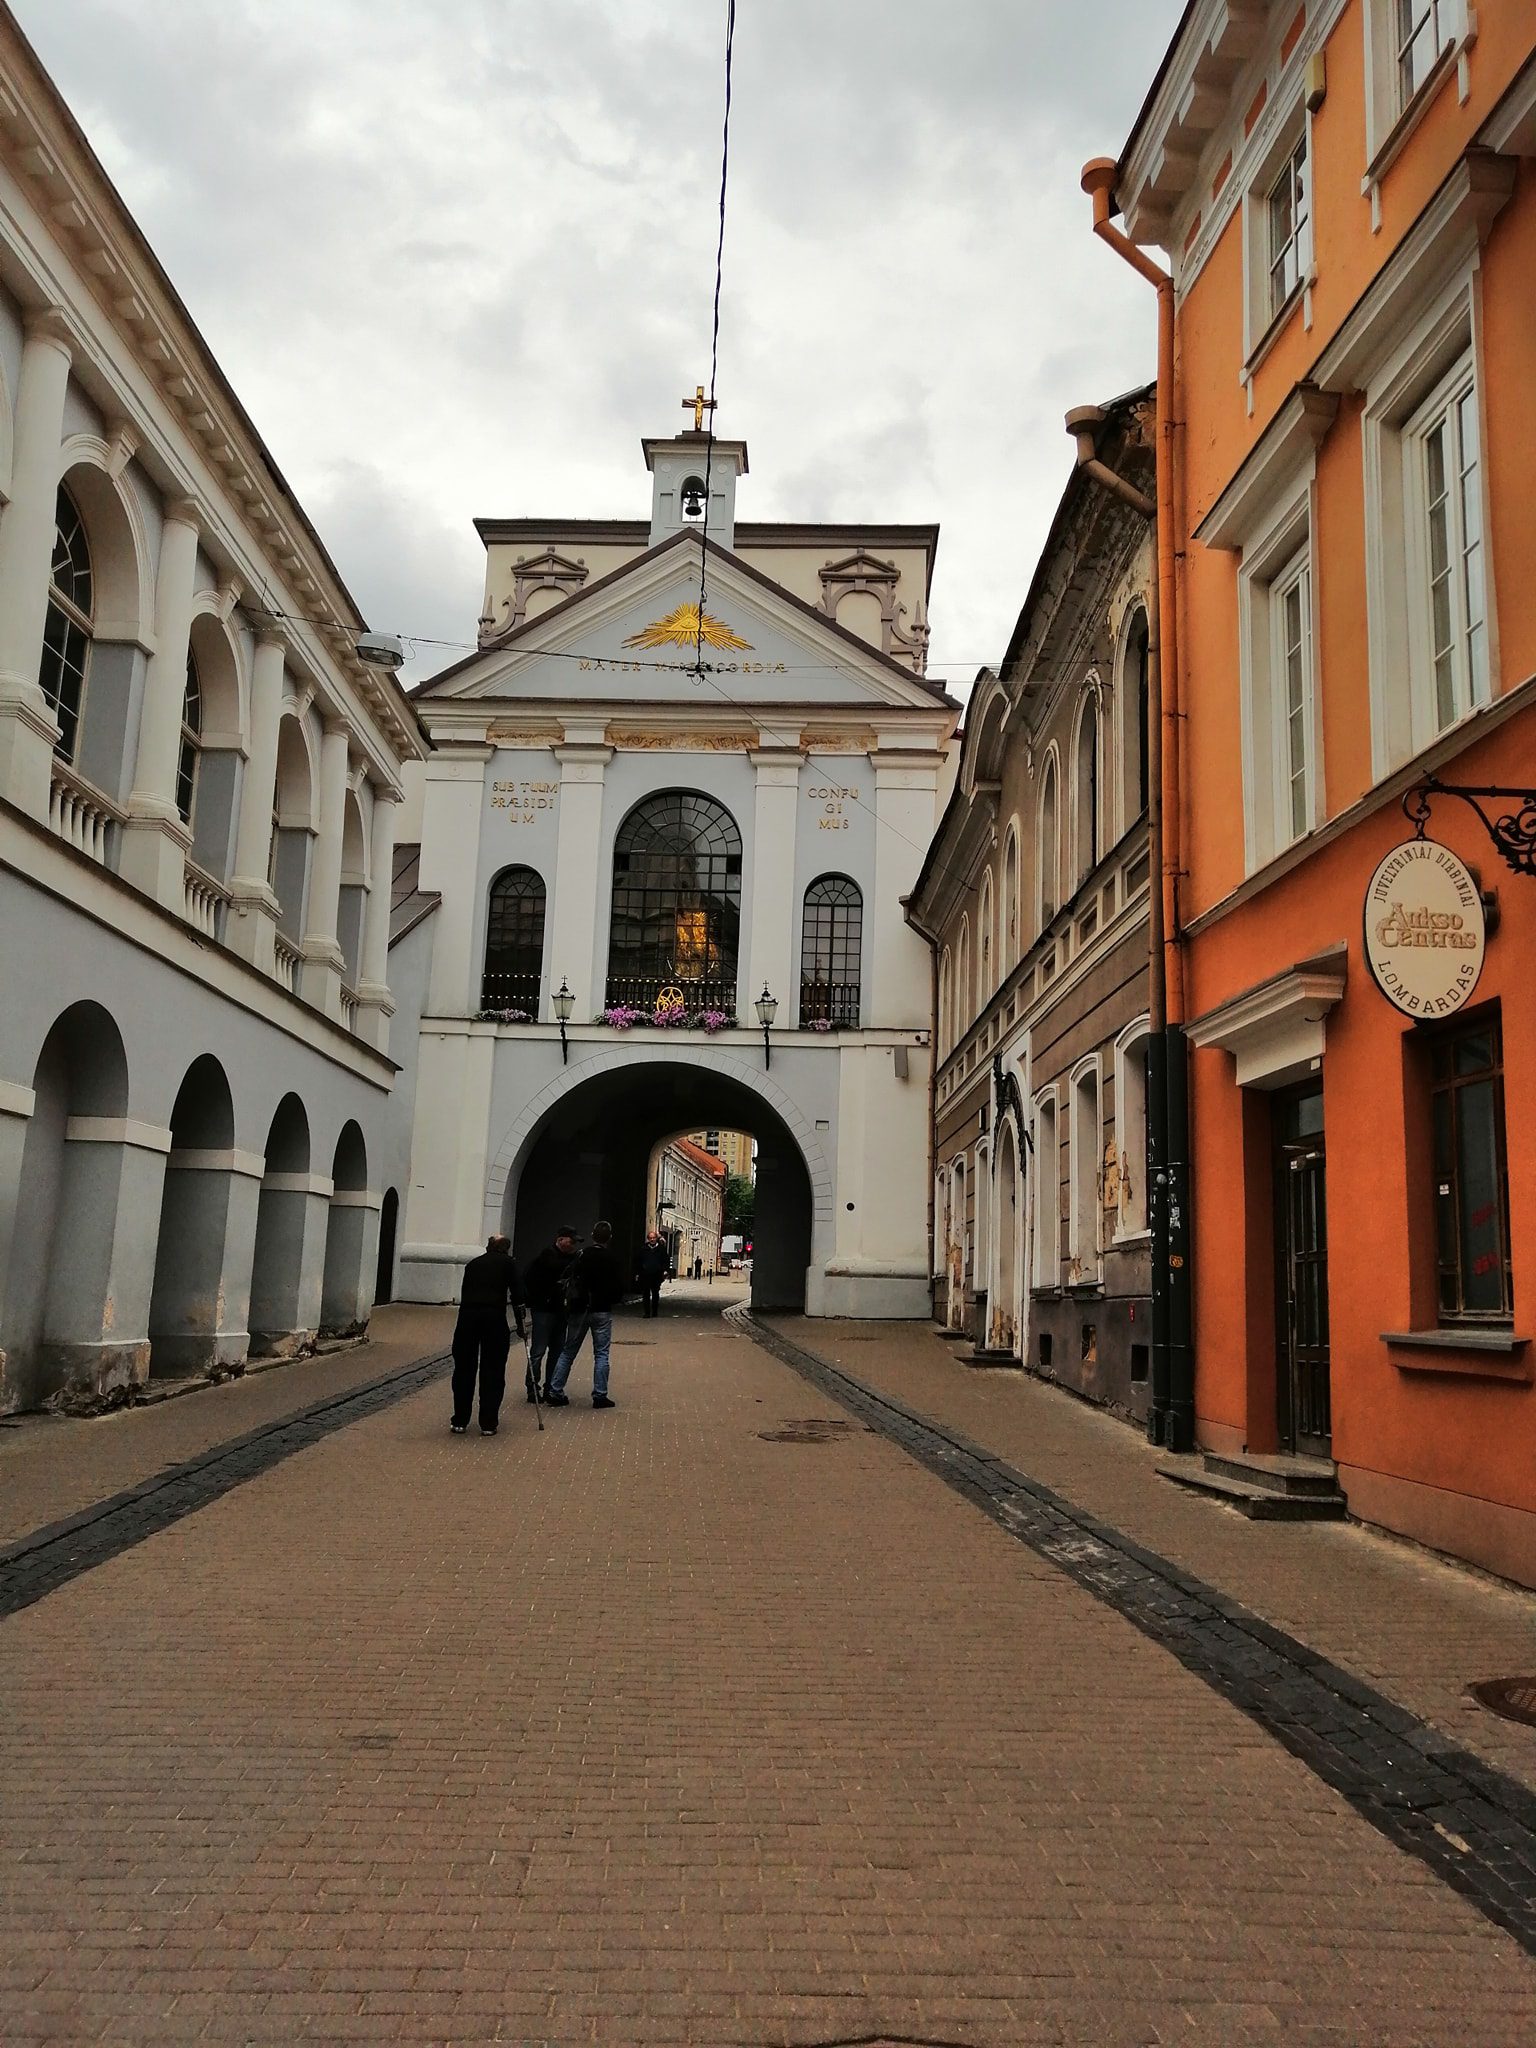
{"x": 681, "y": 628}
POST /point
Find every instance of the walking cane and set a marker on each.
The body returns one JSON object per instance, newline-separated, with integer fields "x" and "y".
{"x": 533, "y": 1380}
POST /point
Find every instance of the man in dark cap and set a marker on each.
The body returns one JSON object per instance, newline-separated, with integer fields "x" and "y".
{"x": 481, "y": 1338}
{"x": 595, "y": 1283}
{"x": 544, "y": 1291}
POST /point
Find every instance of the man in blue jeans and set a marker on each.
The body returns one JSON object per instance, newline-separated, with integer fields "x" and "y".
{"x": 544, "y": 1290}
{"x": 595, "y": 1284}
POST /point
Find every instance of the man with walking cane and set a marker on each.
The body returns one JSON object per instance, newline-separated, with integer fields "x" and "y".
{"x": 481, "y": 1339}
{"x": 544, "y": 1291}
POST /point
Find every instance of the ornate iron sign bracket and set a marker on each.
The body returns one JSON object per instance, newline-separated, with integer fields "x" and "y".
{"x": 1005, "y": 1090}
{"x": 1513, "y": 833}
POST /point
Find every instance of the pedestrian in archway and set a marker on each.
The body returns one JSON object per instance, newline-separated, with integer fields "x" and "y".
{"x": 481, "y": 1338}
{"x": 594, "y": 1284}
{"x": 650, "y": 1270}
{"x": 544, "y": 1290}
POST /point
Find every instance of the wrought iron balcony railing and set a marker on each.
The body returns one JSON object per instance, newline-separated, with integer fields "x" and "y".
{"x": 829, "y": 1002}
{"x": 511, "y": 992}
{"x": 640, "y": 992}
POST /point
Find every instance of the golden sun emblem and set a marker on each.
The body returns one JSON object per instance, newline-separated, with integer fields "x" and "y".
{"x": 681, "y": 629}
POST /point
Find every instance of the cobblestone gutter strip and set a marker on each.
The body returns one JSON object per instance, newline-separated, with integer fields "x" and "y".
{"x": 1472, "y": 1825}
{"x": 38, "y": 1564}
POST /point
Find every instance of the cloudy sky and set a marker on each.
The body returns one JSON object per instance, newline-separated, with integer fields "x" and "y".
{"x": 457, "y": 257}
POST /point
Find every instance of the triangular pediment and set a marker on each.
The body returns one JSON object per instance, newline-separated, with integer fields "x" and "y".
{"x": 636, "y": 634}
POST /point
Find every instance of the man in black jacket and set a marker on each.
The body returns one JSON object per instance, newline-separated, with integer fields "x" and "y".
{"x": 595, "y": 1284}
{"x": 544, "y": 1291}
{"x": 651, "y": 1265}
{"x": 481, "y": 1338}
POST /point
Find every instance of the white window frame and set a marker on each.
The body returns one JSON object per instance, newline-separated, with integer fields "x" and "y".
{"x": 1265, "y": 317}
{"x": 1470, "y": 687}
{"x": 1045, "y": 1251}
{"x": 1391, "y": 115}
{"x": 1293, "y": 715}
{"x": 986, "y": 942}
{"x": 1441, "y": 351}
{"x": 1133, "y": 1223}
{"x": 1085, "y": 1149}
{"x": 1048, "y": 829}
{"x": 1279, "y": 558}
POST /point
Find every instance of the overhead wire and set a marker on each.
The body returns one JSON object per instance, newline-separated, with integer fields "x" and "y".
{"x": 714, "y": 338}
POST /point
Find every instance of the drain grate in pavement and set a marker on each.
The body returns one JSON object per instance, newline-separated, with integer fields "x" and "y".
{"x": 1513, "y": 1698}
{"x": 51, "y": 1556}
{"x": 1473, "y": 1825}
{"x": 815, "y": 1429}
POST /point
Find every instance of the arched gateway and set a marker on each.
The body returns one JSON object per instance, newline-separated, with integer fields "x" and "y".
{"x": 720, "y": 813}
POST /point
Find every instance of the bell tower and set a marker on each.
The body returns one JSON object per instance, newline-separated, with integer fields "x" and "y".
{"x": 680, "y": 470}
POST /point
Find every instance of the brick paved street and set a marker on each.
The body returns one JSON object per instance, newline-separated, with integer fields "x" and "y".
{"x": 685, "y": 1723}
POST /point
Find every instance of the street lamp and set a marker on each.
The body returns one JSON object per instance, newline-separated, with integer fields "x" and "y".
{"x": 767, "y": 1010}
{"x": 564, "y": 1003}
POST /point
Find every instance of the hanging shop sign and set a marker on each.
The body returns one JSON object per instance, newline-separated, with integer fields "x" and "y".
{"x": 1425, "y": 933}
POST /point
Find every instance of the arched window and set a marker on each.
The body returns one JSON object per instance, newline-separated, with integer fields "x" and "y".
{"x": 1133, "y": 697}
{"x": 831, "y": 948}
{"x": 1049, "y": 853}
{"x": 1086, "y": 806}
{"x": 514, "y": 944}
{"x": 676, "y": 903}
{"x": 1010, "y": 937}
{"x": 67, "y": 631}
{"x": 965, "y": 1000}
{"x": 946, "y": 1022}
{"x": 191, "y": 741}
{"x": 984, "y": 982}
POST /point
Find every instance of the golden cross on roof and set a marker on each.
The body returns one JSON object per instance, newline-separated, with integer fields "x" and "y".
{"x": 700, "y": 405}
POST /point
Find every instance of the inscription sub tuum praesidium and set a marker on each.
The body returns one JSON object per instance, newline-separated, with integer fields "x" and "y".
{"x": 522, "y": 801}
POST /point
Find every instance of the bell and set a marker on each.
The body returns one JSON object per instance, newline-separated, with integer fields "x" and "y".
{"x": 693, "y": 498}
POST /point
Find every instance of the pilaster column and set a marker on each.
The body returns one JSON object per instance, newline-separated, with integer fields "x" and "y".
{"x": 155, "y": 841}
{"x": 28, "y": 729}
{"x": 250, "y": 930}
{"x": 578, "y": 905}
{"x": 906, "y": 808}
{"x": 322, "y": 963}
{"x": 771, "y": 952}
{"x": 375, "y": 1004}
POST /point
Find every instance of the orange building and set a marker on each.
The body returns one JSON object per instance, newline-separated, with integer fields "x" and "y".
{"x": 1345, "y": 192}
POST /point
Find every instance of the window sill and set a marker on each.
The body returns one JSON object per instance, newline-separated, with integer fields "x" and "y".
{"x": 1402, "y": 128}
{"x": 1276, "y": 327}
{"x": 1471, "y": 1353}
{"x": 1130, "y": 1240}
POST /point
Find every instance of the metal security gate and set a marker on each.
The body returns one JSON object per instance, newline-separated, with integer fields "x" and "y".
{"x": 1301, "y": 1213}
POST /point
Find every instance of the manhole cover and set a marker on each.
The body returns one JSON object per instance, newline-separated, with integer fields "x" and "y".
{"x": 814, "y": 1429}
{"x": 1514, "y": 1698}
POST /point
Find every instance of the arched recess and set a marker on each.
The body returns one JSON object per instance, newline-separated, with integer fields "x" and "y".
{"x": 965, "y": 995}
{"x": 1003, "y": 1309}
{"x": 959, "y": 1244}
{"x": 1086, "y": 806}
{"x": 287, "y": 1265}
{"x": 112, "y": 522}
{"x": 293, "y": 822}
{"x": 676, "y": 904}
{"x": 220, "y": 750}
{"x": 351, "y": 1239}
{"x": 986, "y": 980}
{"x": 187, "y": 1305}
{"x": 946, "y": 1022}
{"x": 1012, "y": 937}
{"x": 389, "y": 1227}
{"x": 513, "y": 979}
{"x": 353, "y": 897}
{"x": 65, "y": 1330}
{"x": 1048, "y": 848}
{"x": 1132, "y": 681}
{"x": 981, "y": 1232}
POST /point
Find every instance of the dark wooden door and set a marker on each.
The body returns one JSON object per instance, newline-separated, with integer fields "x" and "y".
{"x": 1301, "y": 1213}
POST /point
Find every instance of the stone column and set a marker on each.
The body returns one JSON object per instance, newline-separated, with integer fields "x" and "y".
{"x": 453, "y": 798}
{"x": 16, "y": 1106}
{"x": 770, "y": 959}
{"x": 155, "y": 841}
{"x": 197, "y": 1314}
{"x": 351, "y": 1262}
{"x": 322, "y": 963}
{"x": 96, "y": 1321}
{"x": 375, "y": 1004}
{"x": 288, "y": 1269}
{"x": 906, "y": 792}
{"x": 580, "y": 874}
{"x": 28, "y": 729}
{"x": 250, "y": 931}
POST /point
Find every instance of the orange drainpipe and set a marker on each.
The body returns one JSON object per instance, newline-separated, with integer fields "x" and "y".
{"x": 1099, "y": 183}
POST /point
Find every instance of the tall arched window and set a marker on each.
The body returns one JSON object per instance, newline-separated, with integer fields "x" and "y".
{"x": 965, "y": 1000}
{"x": 1049, "y": 850}
{"x": 676, "y": 903}
{"x": 1086, "y": 806}
{"x": 514, "y": 943}
{"x": 191, "y": 741}
{"x": 946, "y": 1020}
{"x": 1133, "y": 718}
{"x": 984, "y": 981}
{"x": 1010, "y": 937}
{"x": 67, "y": 631}
{"x": 831, "y": 948}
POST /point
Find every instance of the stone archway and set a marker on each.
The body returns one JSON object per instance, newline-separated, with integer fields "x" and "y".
{"x": 188, "y": 1306}
{"x": 351, "y": 1239}
{"x": 579, "y": 1151}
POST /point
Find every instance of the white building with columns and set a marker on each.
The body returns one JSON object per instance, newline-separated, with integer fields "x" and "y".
{"x": 200, "y": 1117}
{"x": 678, "y": 776}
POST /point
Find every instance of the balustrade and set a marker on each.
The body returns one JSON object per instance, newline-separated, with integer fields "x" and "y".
{"x": 511, "y": 992}
{"x": 205, "y": 901}
{"x": 639, "y": 992}
{"x": 348, "y": 1008}
{"x": 80, "y": 815}
{"x": 285, "y": 957}
{"x": 829, "y": 1002}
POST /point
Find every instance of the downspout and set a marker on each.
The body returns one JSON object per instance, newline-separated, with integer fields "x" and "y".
{"x": 930, "y": 940}
{"x": 1171, "y": 1420}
